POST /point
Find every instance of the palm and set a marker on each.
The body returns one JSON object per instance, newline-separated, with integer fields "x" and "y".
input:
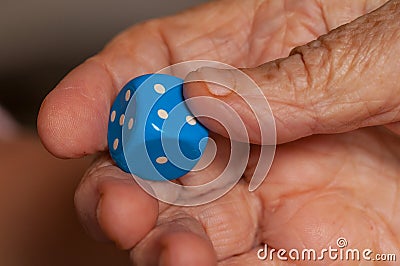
{"x": 318, "y": 188}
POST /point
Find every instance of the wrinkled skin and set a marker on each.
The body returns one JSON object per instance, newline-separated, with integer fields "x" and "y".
{"x": 320, "y": 187}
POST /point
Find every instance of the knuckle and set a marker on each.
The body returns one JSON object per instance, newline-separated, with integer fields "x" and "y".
{"x": 310, "y": 69}
{"x": 310, "y": 73}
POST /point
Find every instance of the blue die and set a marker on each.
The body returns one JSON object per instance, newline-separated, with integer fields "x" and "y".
{"x": 151, "y": 132}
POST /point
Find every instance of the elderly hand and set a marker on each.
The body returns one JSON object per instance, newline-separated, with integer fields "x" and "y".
{"x": 319, "y": 188}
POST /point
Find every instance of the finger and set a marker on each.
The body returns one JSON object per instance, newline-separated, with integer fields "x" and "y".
{"x": 394, "y": 127}
{"x": 73, "y": 118}
{"x": 177, "y": 240}
{"x": 342, "y": 81}
{"x": 112, "y": 206}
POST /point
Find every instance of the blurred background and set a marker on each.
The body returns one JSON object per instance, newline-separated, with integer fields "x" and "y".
{"x": 40, "y": 42}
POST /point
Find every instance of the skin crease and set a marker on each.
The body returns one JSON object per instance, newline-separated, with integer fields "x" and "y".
{"x": 319, "y": 188}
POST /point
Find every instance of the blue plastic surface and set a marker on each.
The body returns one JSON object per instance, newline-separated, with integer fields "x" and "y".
{"x": 151, "y": 132}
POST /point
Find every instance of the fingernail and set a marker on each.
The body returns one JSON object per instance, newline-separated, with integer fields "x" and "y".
{"x": 220, "y": 82}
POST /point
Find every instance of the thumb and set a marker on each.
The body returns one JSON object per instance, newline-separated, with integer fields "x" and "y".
{"x": 342, "y": 81}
